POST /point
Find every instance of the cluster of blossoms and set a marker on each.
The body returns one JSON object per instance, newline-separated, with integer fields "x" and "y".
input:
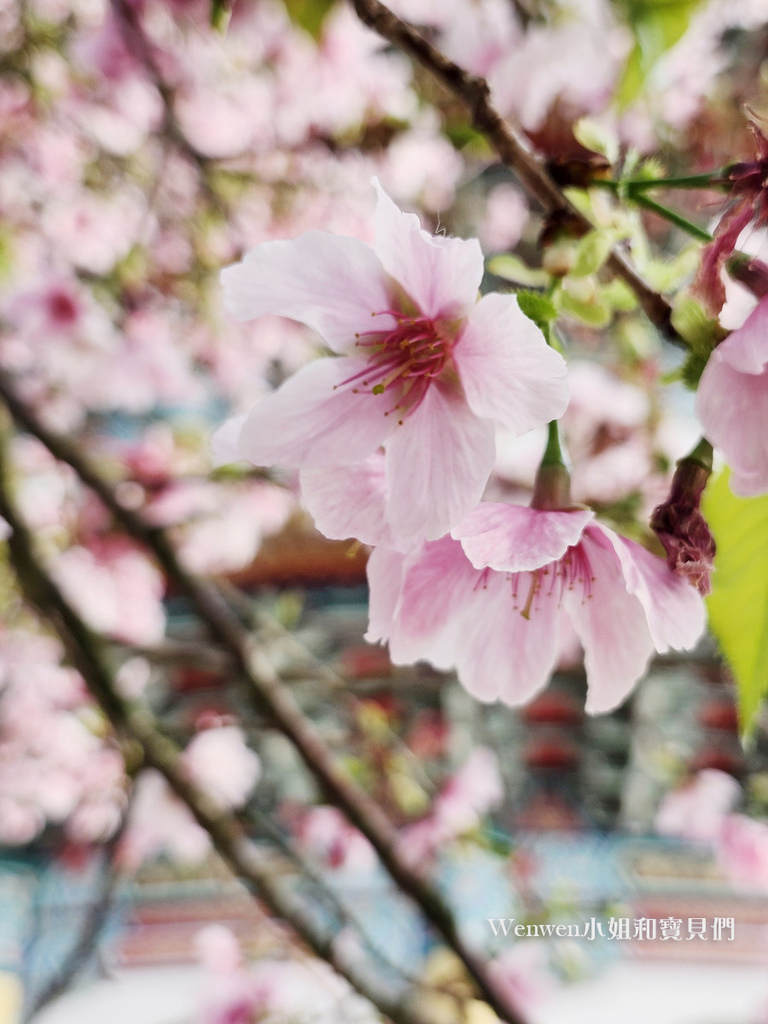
{"x": 394, "y": 437}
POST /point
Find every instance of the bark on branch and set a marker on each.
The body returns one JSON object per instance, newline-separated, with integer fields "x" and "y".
{"x": 512, "y": 146}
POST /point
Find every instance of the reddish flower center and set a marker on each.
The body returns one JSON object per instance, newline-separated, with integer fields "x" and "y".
{"x": 62, "y": 308}
{"x": 402, "y": 360}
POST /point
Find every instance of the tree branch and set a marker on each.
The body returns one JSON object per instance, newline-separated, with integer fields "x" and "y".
{"x": 512, "y": 146}
{"x": 264, "y": 687}
{"x": 134, "y": 724}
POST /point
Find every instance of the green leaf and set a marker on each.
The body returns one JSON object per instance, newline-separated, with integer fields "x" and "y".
{"x": 597, "y": 137}
{"x": 537, "y": 307}
{"x": 591, "y": 253}
{"x": 512, "y": 268}
{"x": 738, "y": 604}
{"x": 309, "y": 14}
{"x": 656, "y": 25}
{"x": 619, "y": 295}
{"x": 692, "y": 323}
{"x": 595, "y": 313}
{"x": 666, "y": 275}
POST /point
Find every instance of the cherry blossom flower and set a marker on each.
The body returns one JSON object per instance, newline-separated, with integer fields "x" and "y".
{"x": 490, "y": 600}
{"x": 698, "y": 810}
{"x": 326, "y": 834}
{"x": 474, "y": 790}
{"x": 742, "y": 851}
{"x": 116, "y": 589}
{"x": 219, "y": 761}
{"x": 423, "y": 368}
{"x": 732, "y": 402}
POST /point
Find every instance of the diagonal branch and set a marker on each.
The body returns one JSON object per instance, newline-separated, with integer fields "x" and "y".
{"x": 512, "y": 146}
{"x": 267, "y": 692}
{"x": 135, "y": 725}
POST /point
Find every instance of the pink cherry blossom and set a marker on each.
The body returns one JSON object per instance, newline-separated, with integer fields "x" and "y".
{"x": 474, "y": 790}
{"x": 220, "y": 762}
{"x": 490, "y": 599}
{"x": 742, "y": 851}
{"x": 699, "y": 809}
{"x": 116, "y": 589}
{"x": 325, "y": 833}
{"x": 423, "y": 367}
{"x": 732, "y": 402}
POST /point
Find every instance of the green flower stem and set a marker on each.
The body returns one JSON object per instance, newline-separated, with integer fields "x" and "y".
{"x": 713, "y": 179}
{"x": 553, "y": 481}
{"x": 672, "y": 216}
{"x": 701, "y": 455}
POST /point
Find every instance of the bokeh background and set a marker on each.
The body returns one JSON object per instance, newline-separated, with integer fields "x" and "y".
{"x": 145, "y": 145}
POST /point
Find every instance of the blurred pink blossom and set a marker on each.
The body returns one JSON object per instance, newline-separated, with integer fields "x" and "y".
{"x": 220, "y": 762}
{"x": 698, "y": 810}
{"x": 732, "y": 402}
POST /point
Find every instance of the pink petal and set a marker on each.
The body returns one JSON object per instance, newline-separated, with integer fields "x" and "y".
{"x": 746, "y": 349}
{"x": 673, "y": 607}
{"x": 329, "y": 282}
{"x": 349, "y": 501}
{"x": 442, "y": 275}
{"x": 512, "y": 538}
{"x": 733, "y": 409}
{"x": 439, "y": 584}
{"x": 612, "y": 626}
{"x": 501, "y": 654}
{"x": 385, "y": 578}
{"x": 225, "y": 441}
{"x": 438, "y": 463}
{"x": 509, "y": 372}
{"x": 307, "y": 422}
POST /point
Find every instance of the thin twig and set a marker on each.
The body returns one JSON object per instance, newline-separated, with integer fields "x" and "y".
{"x": 265, "y": 689}
{"x": 512, "y": 146}
{"x": 90, "y": 930}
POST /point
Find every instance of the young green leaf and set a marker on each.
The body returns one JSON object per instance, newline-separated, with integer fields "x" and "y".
{"x": 512, "y": 268}
{"x": 738, "y": 604}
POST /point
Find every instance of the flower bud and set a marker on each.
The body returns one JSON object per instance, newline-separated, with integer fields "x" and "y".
{"x": 680, "y": 526}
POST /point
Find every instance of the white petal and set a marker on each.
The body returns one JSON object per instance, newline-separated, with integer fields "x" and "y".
{"x": 509, "y": 372}
{"x": 438, "y": 463}
{"x": 329, "y": 282}
{"x": 307, "y": 422}
{"x": 442, "y": 275}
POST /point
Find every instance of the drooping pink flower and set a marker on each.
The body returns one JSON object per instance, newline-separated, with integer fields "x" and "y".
{"x": 489, "y": 600}
{"x": 423, "y": 368}
{"x": 732, "y": 402}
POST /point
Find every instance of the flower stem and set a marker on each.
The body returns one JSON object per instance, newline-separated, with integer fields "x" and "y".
{"x": 712, "y": 179}
{"x": 672, "y": 216}
{"x": 702, "y": 455}
{"x": 553, "y": 481}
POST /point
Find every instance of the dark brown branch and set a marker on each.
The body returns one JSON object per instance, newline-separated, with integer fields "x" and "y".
{"x": 512, "y": 146}
{"x": 265, "y": 689}
{"x": 134, "y": 725}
